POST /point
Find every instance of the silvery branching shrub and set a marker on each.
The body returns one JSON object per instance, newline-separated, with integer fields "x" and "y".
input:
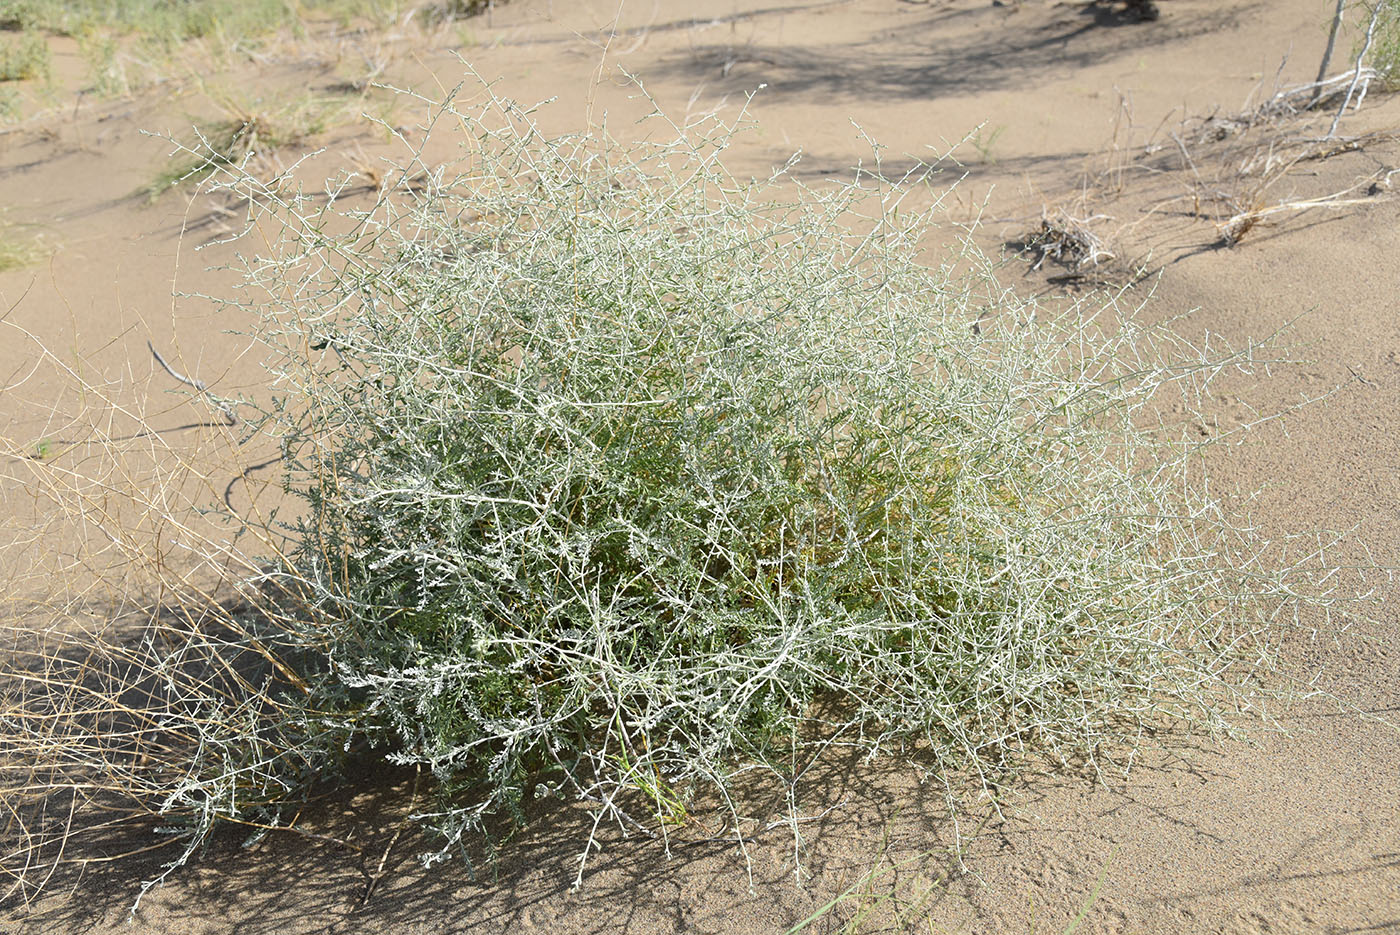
{"x": 618, "y": 468}
{"x": 614, "y": 476}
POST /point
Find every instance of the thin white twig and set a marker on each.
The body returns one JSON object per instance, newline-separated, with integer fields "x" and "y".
{"x": 198, "y": 385}
{"x": 1360, "y": 61}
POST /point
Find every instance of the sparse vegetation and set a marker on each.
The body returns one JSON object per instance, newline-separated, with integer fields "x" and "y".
{"x": 128, "y": 43}
{"x": 169, "y": 22}
{"x": 24, "y": 57}
{"x": 1385, "y": 50}
{"x": 173, "y": 23}
{"x": 106, "y": 67}
{"x": 248, "y": 131}
{"x": 19, "y": 246}
{"x": 984, "y": 144}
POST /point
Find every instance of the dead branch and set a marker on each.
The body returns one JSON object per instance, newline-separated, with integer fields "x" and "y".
{"x": 197, "y": 384}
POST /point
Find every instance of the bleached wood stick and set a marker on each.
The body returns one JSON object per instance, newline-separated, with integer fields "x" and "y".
{"x": 198, "y": 385}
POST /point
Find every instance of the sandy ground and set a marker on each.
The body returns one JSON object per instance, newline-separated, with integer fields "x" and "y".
{"x": 1081, "y": 110}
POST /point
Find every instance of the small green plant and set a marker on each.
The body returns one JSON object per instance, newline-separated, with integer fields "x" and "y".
{"x": 24, "y": 57}
{"x": 101, "y": 54}
{"x": 985, "y": 143}
{"x": 1093, "y": 895}
{"x": 43, "y": 448}
{"x": 880, "y": 894}
{"x": 18, "y": 247}
{"x": 665, "y": 804}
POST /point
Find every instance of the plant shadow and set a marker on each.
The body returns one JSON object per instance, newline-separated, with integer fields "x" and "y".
{"x": 944, "y": 54}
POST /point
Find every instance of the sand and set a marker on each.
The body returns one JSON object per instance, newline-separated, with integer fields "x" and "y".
{"x": 1296, "y": 829}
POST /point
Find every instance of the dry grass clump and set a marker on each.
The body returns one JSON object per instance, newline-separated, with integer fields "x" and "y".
{"x": 1342, "y": 91}
{"x": 1248, "y": 195}
{"x": 1376, "y": 61}
{"x": 248, "y": 134}
{"x": 1250, "y": 214}
{"x": 617, "y": 478}
{"x": 1242, "y": 173}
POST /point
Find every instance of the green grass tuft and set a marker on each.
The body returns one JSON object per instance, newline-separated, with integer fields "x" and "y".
{"x": 19, "y": 248}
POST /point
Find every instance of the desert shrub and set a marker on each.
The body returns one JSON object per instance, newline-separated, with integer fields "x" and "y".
{"x": 621, "y": 476}
{"x": 17, "y": 15}
{"x": 614, "y": 465}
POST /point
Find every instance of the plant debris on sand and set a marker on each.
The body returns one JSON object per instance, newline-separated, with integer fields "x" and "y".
{"x": 621, "y": 477}
{"x": 1067, "y": 240}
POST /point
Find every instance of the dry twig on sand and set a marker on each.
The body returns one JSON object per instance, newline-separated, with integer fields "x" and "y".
{"x": 1291, "y": 101}
{"x": 1243, "y": 221}
{"x": 198, "y": 385}
{"x": 1360, "y": 63}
